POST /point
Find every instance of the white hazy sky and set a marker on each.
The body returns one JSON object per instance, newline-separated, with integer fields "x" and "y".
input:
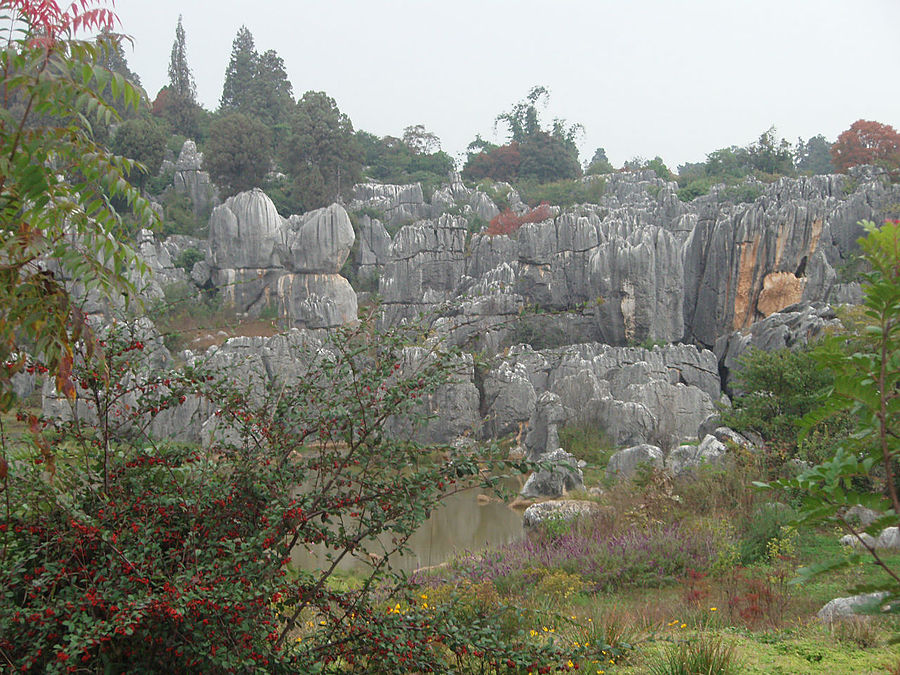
{"x": 675, "y": 78}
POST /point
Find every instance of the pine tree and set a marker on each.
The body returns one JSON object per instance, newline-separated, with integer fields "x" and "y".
{"x": 181, "y": 80}
{"x": 240, "y": 73}
{"x": 256, "y": 85}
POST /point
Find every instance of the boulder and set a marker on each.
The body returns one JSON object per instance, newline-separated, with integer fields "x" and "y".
{"x": 561, "y": 509}
{"x": 889, "y": 538}
{"x": 861, "y": 515}
{"x": 560, "y": 475}
{"x": 245, "y": 233}
{"x": 624, "y": 463}
{"x": 841, "y": 608}
{"x": 686, "y": 458}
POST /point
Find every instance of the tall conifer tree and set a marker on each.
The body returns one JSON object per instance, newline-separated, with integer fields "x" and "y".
{"x": 181, "y": 80}
{"x": 240, "y": 73}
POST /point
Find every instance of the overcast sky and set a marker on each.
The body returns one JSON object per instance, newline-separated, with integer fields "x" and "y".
{"x": 675, "y": 78}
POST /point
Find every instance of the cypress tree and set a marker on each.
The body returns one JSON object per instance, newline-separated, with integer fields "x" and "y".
{"x": 181, "y": 80}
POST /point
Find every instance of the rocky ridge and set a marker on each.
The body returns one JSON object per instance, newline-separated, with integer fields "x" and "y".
{"x": 560, "y": 304}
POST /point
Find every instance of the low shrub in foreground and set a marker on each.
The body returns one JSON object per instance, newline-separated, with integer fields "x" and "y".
{"x": 648, "y": 556}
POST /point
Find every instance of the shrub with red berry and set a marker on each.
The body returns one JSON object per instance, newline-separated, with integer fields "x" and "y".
{"x": 121, "y": 549}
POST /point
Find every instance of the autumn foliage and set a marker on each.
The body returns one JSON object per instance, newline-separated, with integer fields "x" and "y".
{"x": 499, "y": 164}
{"x": 48, "y": 22}
{"x": 867, "y": 142}
{"x": 508, "y": 221}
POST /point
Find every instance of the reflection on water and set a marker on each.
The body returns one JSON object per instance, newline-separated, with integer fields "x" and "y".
{"x": 463, "y": 522}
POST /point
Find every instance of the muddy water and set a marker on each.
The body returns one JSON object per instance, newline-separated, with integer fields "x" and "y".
{"x": 468, "y": 521}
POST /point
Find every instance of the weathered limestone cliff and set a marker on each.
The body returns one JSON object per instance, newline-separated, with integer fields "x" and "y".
{"x": 558, "y": 305}
{"x": 259, "y": 259}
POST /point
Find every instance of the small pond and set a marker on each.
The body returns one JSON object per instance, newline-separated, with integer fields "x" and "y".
{"x": 468, "y": 521}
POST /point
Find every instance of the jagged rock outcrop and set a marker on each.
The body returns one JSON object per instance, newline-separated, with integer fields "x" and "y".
{"x": 397, "y": 204}
{"x": 636, "y": 395}
{"x": 476, "y": 203}
{"x": 640, "y": 265}
{"x": 189, "y": 178}
{"x": 744, "y": 262}
{"x": 426, "y": 265}
{"x": 794, "y": 326}
{"x": 260, "y": 259}
{"x": 374, "y": 246}
{"x": 543, "y": 433}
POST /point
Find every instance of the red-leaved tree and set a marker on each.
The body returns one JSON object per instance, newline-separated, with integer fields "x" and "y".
{"x": 47, "y": 21}
{"x": 867, "y": 142}
{"x": 508, "y": 221}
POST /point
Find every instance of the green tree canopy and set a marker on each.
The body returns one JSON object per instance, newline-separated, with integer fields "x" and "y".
{"x": 321, "y": 153}
{"x": 533, "y": 153}
{"x": 770, "y": 155}
{"x": 255, "y": 84}
{"x": 181, "y": 79}
{"x": 237, "y": 153}
{"x": 600, "y": 164}
{"x": 143, "y": 139}
{"x": 813, "y": 156}
{"x": 177, "y": 102}
{"x": 56, "y": 183}
{"x": 414, "y": 158}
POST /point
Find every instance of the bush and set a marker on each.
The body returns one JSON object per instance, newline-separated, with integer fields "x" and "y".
{"x": 188, "y": 258}
{"x": 564, "y": 193}
{"x": 762, "y": 526}
{"x": 773, "y": 391}
{"x": 124, "y": 552}
{"x": 179, "y": 217}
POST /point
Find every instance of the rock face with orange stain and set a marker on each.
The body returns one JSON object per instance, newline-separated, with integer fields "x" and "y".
{"x": 638, "y": 266}
{"x": 745, "y": 262}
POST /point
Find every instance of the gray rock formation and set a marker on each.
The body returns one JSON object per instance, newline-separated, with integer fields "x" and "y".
{"x": 260, "y": 260}
{"x": 189, "y": 178}
{"x": 638, "y": 266}
{"x": 794, "y": 326}
{"x": 560, "y": 509}
{"x": 841, "y": 608}
{"x": 889, "y": 538}
{"x": 560, "y": 474}
{"x": 426, "y": 264}
{"x": 660, "y": 396}
{"x": 374, "y": 246}
{"x": 245, "y": 233}
{"x": 624, "y": 463}
{"x": 686, "y": 458}
{"x": 317, "y": 242}
{"x": 859, "y": 514}
{"x": 399, "y": 204}
{"x": 543, "y": 435}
